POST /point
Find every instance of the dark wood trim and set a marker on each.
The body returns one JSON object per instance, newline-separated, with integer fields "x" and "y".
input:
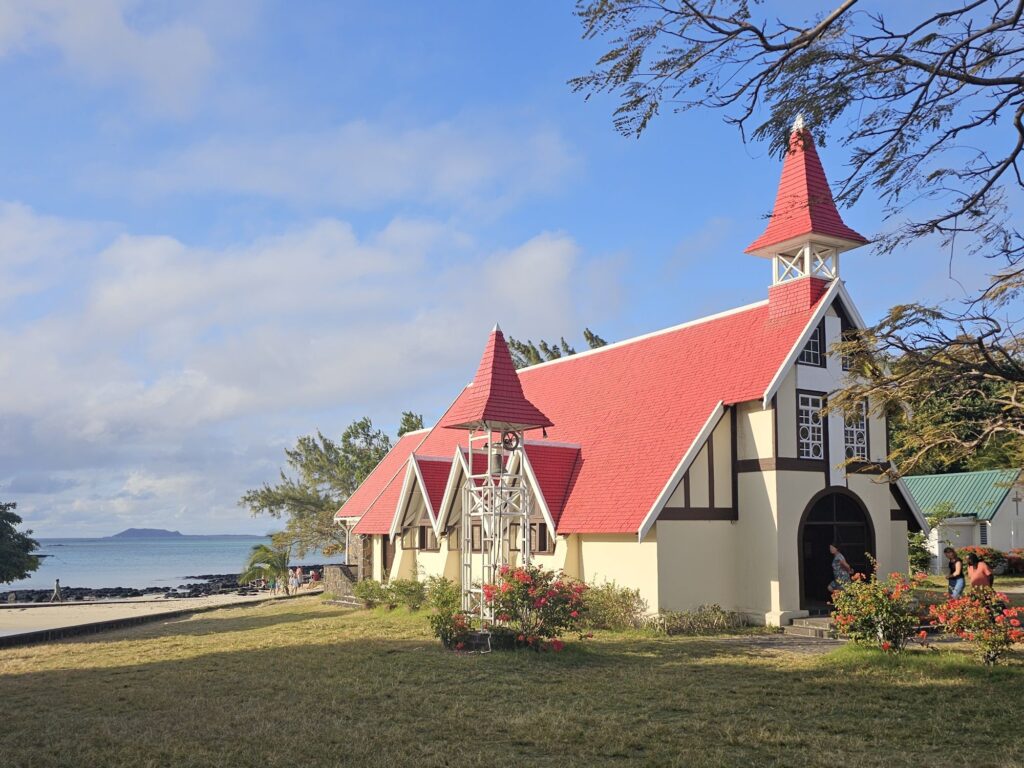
{"x": 686, "y": 488}
{"x": 822, "y": 348}
{"x": 735, "y": 479}
{"x": 904, "y": 509}
{"x": 710, "y": 442}
{"x": 781, "y": 465}
{"x": 698, "y": 513}
{"x": 775, "y": 426}
{"x": 897, "y": 515}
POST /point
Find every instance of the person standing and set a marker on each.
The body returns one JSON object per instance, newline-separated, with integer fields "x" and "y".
{"x": 57, "y": 596}
{"x": 955, "y": 578}
{"x": 841, "y": 570}
{"x": 978, "y": 572}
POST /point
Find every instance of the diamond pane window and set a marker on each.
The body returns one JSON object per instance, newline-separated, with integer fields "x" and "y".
{"x": 810, "y": 431}
{"x": 814, "y": 352}
{"x": 855, "y": 433}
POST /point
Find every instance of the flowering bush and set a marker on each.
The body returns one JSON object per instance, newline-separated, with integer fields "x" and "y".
{"x": 1015, "y": 561}
{"x": 995, "y": 559}
{"x": 984, "y": 617}
{"x": 877, "y": 612}
{"x": 449, "y": 623}
{"x": 535, "y": 606}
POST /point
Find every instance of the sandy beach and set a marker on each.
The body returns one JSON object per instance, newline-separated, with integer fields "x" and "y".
{"x": 20, "y": 619}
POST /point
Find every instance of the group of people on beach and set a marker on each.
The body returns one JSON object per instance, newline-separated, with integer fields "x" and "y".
{"x": 296, "y": 580}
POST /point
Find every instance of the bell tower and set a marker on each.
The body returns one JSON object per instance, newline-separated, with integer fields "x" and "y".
{"x": 805, "y": 233}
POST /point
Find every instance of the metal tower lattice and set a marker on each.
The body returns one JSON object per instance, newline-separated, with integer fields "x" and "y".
{"x": 496, "y": 509}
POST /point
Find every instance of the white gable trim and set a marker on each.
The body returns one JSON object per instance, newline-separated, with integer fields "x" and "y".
{"x": 691, "y": 453}
{"x": 537, "y": 492}
{"x": 836, "y": 289}
{"x": 459, "y": 466}
{"x": 403, "y": 497}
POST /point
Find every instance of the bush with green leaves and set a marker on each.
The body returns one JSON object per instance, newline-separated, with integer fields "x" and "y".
{"x": 879, "y": 612}
{"x": 447, "y": 620}
{"x": 996, "y": 560}
{"x": 610, "y": 606}
{"x": 919, "y": 555}
{"x": 370, "y": 591}
{"x": 704, "y": 620}
{"x": 408, "y": 592}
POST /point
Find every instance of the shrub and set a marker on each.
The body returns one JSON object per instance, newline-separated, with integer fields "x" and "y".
{"x": 449, "y": 624}
{"x": 534, "y": 606}
{"x": 984, "y": 617}
{"x": 919, "y": 555}
{"x": 876, "y": 612}
{"x": 369, "y": 591}
{"x": 408, "y": 592}
{"x": 1015, "y": 561}
{"x": 995, "y": 559}
{"x": 704, "y": 620}
{"x": 609, "y": 606}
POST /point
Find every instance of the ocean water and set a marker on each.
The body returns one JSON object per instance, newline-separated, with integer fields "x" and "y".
{"x": 157, "y": 562}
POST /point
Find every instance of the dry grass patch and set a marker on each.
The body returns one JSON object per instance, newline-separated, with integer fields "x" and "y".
{"x": 303, "y": 683}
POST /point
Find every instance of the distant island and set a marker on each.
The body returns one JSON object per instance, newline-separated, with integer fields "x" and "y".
{"x": 161, "y": 533}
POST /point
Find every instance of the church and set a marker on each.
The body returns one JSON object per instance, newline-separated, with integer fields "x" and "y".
{"x": 694, "y": 464}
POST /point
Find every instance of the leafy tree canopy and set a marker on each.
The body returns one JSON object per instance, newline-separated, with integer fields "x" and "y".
{"x": 323, "y": 474}
{"x": 526, "y": 353}
{"x": 929, "y": 102}
{"x": 16, "y": 548}
{"x": 410, "y": 422}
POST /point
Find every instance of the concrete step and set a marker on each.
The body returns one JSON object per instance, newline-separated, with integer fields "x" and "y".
{"x": 816, "y": 622}
{"x": 818, "y": 633}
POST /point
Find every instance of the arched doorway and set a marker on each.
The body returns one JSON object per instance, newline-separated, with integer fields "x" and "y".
{"x": 833, "y": 516}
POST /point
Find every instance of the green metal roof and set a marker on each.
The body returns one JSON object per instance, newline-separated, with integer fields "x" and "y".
{"x": 972, "y": 494}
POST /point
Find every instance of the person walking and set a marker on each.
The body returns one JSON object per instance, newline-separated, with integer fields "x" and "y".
{"x": 955, "y": 578}
{"x": 841, "y": 570}
{"x": 57, "y": 596}
{"x": 978, "y": 572}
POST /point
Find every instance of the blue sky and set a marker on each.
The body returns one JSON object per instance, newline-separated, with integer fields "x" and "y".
{"x": 226, "y": 224}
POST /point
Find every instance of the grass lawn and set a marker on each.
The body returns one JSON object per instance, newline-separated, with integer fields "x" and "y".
{"x": 1013, "y": 583}
{"x": 301, "y": 683}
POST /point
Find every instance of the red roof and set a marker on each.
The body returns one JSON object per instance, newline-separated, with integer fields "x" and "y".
{"x": 634, "y": 408}
{"x": 495, "y": 398}
{"x": 804, "y": 203}
{"x": 435, "y": 472}
{"x": 555, "y": 467}
{"x": 381, "y": 479}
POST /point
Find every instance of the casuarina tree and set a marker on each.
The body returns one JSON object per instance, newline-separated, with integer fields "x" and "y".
{"x": 16, "y": 547}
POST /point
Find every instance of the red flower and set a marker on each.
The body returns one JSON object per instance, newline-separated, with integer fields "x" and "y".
{"x": 886, "y": 645}
{"x": 574, "y": 614}
{"x": 922, "y": 634}
{"x": 460, "y": 645}
{"x": 1015, "y": 622}
{"x": 557, "y": 645}
{"x": 489, "y": 591}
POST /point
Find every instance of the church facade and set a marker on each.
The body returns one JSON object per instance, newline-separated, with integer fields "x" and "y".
{"x": 694, "y": 464}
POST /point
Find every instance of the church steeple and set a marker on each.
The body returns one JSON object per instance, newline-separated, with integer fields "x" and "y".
{"x": 805, "y": 233}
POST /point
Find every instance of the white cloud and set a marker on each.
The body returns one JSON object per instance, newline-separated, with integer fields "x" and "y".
{"x": 363, "y": 164}
{"x": 103, "y": 43}
{"x": 168, "y": 378}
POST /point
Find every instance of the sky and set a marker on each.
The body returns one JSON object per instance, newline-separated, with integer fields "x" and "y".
{"x": 224, "y": 225}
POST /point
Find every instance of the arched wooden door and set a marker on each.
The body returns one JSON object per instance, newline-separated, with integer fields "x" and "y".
{"x": 834, "y": 516}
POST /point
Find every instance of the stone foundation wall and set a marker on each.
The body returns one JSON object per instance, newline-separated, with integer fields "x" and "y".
{"x": 339, "y": 579}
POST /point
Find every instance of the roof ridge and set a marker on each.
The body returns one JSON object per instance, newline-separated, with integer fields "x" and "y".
{"x": 648, "y": 335}
{"x": 968, "y": 472}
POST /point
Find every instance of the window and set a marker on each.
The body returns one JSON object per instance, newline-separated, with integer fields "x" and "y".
{"x": 540, "y": 541}
{"x": 814, "y": 352}
{"x": 983, "y": 534}
{"x": 428, "y": 539}
{"x": 810, "y": 430}
{"x": 454, "y": 538}
{"x": 855, "y": 433}
{"x": 476, "y": 538}
{"x": 513, "y": 537}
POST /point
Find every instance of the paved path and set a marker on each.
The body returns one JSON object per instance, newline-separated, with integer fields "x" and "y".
{"x": 32, "y": 618}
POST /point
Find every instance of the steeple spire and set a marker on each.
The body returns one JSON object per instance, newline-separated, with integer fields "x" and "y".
{"x": 805, "y": 233}
{"x": 495, "y": 400}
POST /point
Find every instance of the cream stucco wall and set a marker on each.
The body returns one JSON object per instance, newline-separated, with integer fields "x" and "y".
{"x": 753, "y": 431}
{"x": 695, "y": 566}
{"x": 623, "y": 560}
